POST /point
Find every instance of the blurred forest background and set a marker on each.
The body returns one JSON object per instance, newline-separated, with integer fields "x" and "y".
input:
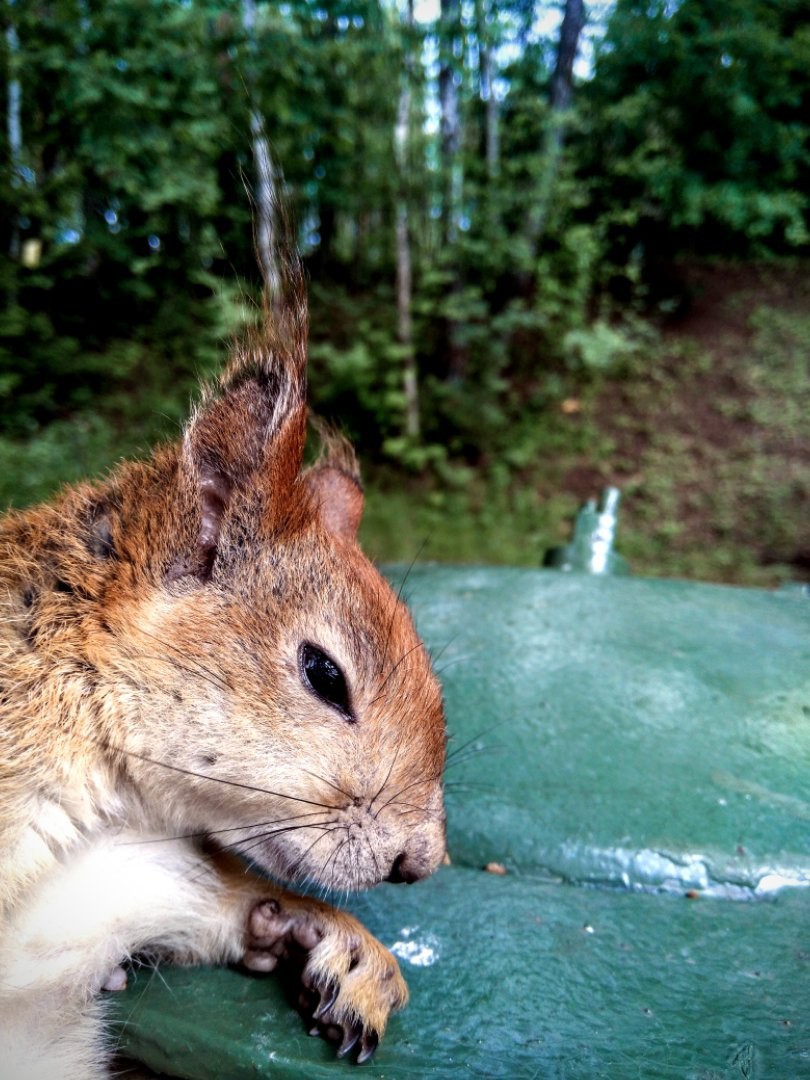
{"x": 551, "y": 246}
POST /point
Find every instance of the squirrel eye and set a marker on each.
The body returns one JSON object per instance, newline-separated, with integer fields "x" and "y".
{"x": 323, "y": 676}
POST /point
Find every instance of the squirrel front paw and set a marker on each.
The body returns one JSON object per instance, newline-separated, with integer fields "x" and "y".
{"x": 351, "y": 983}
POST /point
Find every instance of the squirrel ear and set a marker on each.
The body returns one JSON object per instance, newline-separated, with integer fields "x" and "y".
{"x": 339, "y": 497}
{"x": 210, "y": 494}
{"x": 249, "y": 431}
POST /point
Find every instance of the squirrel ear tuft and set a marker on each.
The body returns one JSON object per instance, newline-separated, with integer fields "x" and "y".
{"x": 339, "y": 497}
{"x": 246, "y": 435}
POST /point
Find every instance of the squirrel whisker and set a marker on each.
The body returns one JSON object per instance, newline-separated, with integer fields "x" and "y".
{"x": 205, "y": 672}
{"x": 416, "y": 783}
{"x": 455, "y": 660}
{"x": 203, "y": 833}
{"x": 390, "y": 770}
{"x": 435, "y": 657}
{"x": 323, "y": 780}
{"x": 242, "y": 847}
{"x": 411, "y": 808}
{"x": 396, "y": 605}
{"x": 190, "y": 667}
{"x": 215, "y": 779}
{"x": 373, "y": 854}
{"x": 461, "y": 754}
{"x": 330, "y": 865}
{"x": 302, "y": 858}
{"x": 401, "y": 660}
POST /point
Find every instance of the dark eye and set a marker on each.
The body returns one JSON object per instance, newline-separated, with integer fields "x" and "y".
{"x": 322, "y": 675}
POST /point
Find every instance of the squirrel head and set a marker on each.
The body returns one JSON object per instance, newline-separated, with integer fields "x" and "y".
{"x": 254, "y": 678}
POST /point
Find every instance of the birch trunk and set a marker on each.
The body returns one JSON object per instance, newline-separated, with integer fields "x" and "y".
{"x": 452, "y": 171}
{"x": 486, "y": 70}
{"x": 265, "y": 188}
{"x": 450, "y": 118}
{"x": 410, "y": 382}
{"x": 13, "y": 122}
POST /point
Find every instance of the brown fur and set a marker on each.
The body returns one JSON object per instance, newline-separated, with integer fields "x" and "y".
{"x": 152, "y": 688}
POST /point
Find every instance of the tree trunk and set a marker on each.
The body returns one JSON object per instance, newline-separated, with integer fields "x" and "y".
{"x": 13, "y": 124}
{"x": 486, "y": 69}
{"x": 410, "y": 381}
{"x": 452, "y": 170}
{"x": 265, "y": 189}
{"x": 450, "y": 128}
{"x": 570, "y": 30}
{"x": 559, "y": 102}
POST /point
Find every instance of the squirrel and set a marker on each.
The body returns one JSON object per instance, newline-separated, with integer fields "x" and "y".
{"x": 209, "y": 696}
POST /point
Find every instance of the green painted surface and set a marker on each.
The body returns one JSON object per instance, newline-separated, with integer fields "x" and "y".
{"x": 632, "y": 741}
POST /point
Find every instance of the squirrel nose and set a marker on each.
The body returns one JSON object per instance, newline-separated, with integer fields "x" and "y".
{"x": 403, "y": 871}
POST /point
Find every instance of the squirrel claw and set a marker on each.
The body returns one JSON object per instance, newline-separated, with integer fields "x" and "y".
{"x": 350, "y": 1037}
{"x": 328, "y": 998}
{"x": 368, "y": 1046}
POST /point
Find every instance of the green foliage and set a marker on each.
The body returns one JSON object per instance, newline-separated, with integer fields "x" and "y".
{"x": 699, "y": 126}
{"x": 63, "y": 452}
{"x": 355, "y": 362}
{"x": 599, "y": 347}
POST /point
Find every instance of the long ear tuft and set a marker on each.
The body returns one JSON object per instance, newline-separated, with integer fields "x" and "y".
{"x": 250, "y": 430}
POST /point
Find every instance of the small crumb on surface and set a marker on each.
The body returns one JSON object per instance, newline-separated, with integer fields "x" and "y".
{"x": 692, "y": 894}
{"x": 495, "y": 868}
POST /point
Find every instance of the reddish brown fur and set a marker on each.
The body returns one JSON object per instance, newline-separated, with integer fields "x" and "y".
{"x": 155, "y": 620}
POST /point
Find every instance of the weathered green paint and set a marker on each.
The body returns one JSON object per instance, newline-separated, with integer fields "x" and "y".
{"x": 632, "y": 741}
